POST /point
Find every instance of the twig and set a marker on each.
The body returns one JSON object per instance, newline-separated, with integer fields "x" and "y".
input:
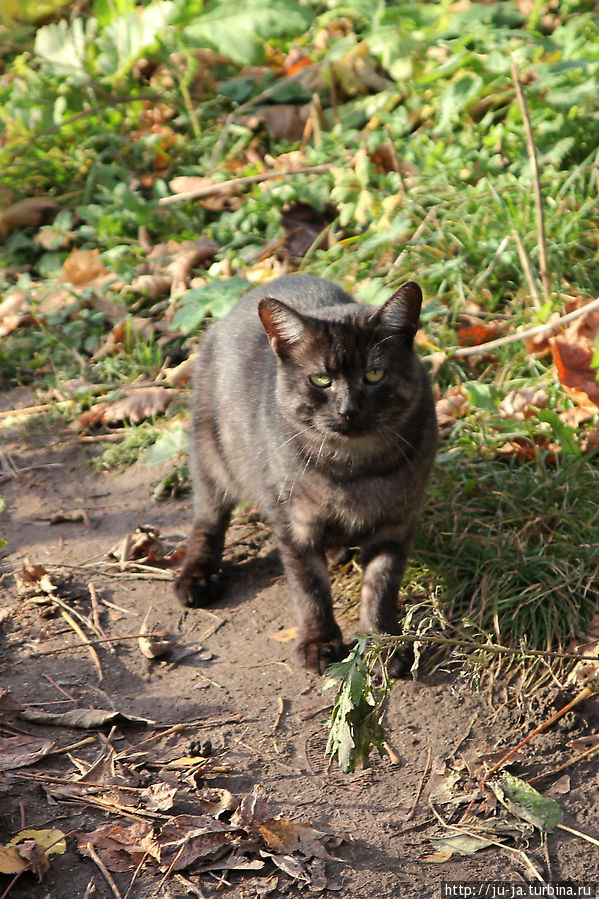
{"x": 171, "y": 866}
{"x": 412, "y": 811}
{"x": 526, "y": 332}
{"x": 84, "y": 640}
{"x": 280, "y": 712}
{"x": 174, "y": 729}
{"x": 96, "y": 615}
{"x": 69, "y": 696}
{"x": 136, "y": 872}
{"x": 218, "y": 186}
{"x": 532, "y": 154}
{"x": 32, "y": 410}
{"x": 10, "y": 885}
{"x": 528, "y": 274}
{"x": 415, "y": 236}
{"x": 577, "y": 758}
{"x": 494, "y": 648}
{"x": 578, "y": 833}
{"x": 584, "y": 694}
{"x": 106, "y": 873}
{"x": 92, "y": 643}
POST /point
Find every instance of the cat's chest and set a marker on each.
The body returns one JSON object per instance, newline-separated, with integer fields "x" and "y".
{"x": 343, "y": 513}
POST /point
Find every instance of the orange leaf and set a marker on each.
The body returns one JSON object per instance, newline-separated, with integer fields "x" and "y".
{"x": 475, "y": 335}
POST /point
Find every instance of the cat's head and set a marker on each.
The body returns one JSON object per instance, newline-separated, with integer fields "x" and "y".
{"x": 348, "y": 370}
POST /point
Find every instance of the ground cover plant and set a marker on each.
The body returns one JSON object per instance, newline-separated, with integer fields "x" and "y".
{"x": 154, "y": 169}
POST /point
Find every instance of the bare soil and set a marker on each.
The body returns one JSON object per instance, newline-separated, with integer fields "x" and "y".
{"x": 264, "y": 716}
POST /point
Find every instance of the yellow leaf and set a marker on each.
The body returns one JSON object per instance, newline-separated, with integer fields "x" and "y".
{"x": 10, "y": 861}
{"x": 285, "y": 635}
{"x": 52, "y": 841}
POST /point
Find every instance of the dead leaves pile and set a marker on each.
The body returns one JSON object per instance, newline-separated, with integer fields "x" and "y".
{"x": 177, "y": 826}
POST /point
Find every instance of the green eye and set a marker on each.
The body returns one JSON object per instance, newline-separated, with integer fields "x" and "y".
{"x": 321, "y": 380}
{"x": 374, "y": 375}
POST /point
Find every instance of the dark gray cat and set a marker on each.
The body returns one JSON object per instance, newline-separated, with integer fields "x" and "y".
{"x": 316, "y": 408}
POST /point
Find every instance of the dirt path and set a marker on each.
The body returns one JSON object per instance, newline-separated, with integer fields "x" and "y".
{"x": 262, "y": 714}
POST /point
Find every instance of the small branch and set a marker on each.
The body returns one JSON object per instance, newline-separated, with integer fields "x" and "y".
{"x": 578, "y": 833}
{"x": 85, "y": 642}
{"x": 525, "y": 333}
{"x": 107, "y": 875}
{"x": 532, "y": 154}
{"x": 233, "y": 183}
{"x": 577, "y": 758}
{"x": 494, "y": 648}
{"x": 412, "y": 811}
{"x": 528, "y": 273}
{"x": 584, "y": 694}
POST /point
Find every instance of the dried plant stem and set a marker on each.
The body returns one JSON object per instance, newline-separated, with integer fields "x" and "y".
{"x": 494, "y": 648}
{"x": 427, "y": 766}
{"x": 584, "y": 694}
{"x": 577, "y": 758}
{"x": 527, "y": 332}
{"x": 578, "y": 833}
{"x": 532, "y": 153}
{"x": 528, "y": 273}
{"x": 106, "y": 873}
{"x": 218, "y": 186}
{"x": 99, "y": 630}
{"x": 80, "y": 633}
{"x": 92, "y": 643}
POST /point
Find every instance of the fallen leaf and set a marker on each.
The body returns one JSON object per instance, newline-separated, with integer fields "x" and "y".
{"x": 477, "y": 334}
{"x": 73, "y": 515}
{"x": 120, "y": 848}
{"x": 287, "y": 837}
{"x": 285, "y": 121}
{"x": 159, "y": 797}
{"x": 136, "y": 406}
{"x": 24, "y": 214}
{"x": 29, "y": 850}
{"x": 19, "y": 752}
{"x": 527, "y": 803}
{"x": 14, "y": 311}
{"x": 465, "y": 844}
{"x": 305, "y": 226}
{"x": 451, "y": 406}
{"x": 86, "y": 719}
{"x": 82, "y": 266}
{"x": 285, "y": 635}
{"x": 524, "y": 403}
{"x": 573, "y": 352}
{"x": 438, "y": 857}
{"x": 34, "y": 579}
{"x": 153, "y": 645}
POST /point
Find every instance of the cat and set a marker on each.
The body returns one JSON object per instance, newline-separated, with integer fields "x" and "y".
{"x": 317, "y": 408}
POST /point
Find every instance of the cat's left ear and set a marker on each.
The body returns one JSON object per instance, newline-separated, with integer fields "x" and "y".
{"x": 283, "y": 325}
{"x": 401, "y": 312}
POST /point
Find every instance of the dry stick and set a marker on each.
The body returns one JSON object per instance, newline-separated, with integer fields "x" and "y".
{"x": 578, "y": 833}
{"x": 526, "y": 332}
{"x": 494, "y": 648}
{"x": 69, "y": 696}
{"x": 412, "y": 811}
{"x": 136, "y": 872}
{"x": 169, "y": 870}
{"x": 525, "y": 262}
{"x": 107, "y": 875}
{"x": 577, "y": 758}
{"x": 218, "y": 186}
{"x": 584, "y": 694}
{"x": 85, "y": 641}
{"x": 10, "y": 885}
{"x": 532, "y": 153}
{"x": 96, "y": 615}
{"x": 92, "y": 643}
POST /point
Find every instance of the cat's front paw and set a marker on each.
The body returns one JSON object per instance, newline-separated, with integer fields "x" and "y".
{"x": 195, "y": 590}
{"x": 317, "y": 656}
{"x": 400, "y": 663}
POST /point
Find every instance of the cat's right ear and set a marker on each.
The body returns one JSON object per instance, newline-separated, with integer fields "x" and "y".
{"x": 283, "y": 325}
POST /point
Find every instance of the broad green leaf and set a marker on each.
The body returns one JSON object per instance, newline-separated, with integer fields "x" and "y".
{"x": 465, "y": 844}
{"x": 241, "y": 31}
{"x": 527, "y": 803}
{"x": 176, "y": 440}
{"x": 216, "y": 299}
{"x": 128, "y": 37}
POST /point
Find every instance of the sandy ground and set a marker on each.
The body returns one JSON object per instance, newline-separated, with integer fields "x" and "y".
{"x": 243, "y": 692}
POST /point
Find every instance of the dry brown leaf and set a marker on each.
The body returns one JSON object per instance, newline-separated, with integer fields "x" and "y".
{"x": 573, "y": 352}
{"x": 153, "y": 645}
{"x": 85, "y": 719}
{"x": 120, "y": 848}
{"x": 285, "y": 635}
{"x": 136, "y": 406}
{"x": 24, "y": 214}
{"x": 285, "y": 121}
{"x": 287, "y": 837}
{"x": 180, "y": 375}
{"x": 19, "y": 752}
{"x": 14, "y": 311}
{"x": 82, "y": 266}
{"x": 159, "y": 797}
{"x": 138, "y": 545}
{"x": 524, "y": 403}
{"x": 34, "y": 579}
{"x": 451, "y": 406}
{"x": 128, "y": 329}
{"x": 187, "y": 838}
{"x": 478, "y": 333}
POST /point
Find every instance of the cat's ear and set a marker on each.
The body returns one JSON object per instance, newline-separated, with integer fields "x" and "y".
{"x": 401, "y": 312}
{"x": 283, "y": 325}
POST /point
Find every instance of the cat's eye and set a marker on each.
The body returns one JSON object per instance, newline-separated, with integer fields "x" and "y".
{"x": 374, "y": 375}
{"x": 321, "y": 380}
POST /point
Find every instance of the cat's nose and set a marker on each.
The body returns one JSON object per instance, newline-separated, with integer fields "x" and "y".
{"x": 347, "y": 407}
